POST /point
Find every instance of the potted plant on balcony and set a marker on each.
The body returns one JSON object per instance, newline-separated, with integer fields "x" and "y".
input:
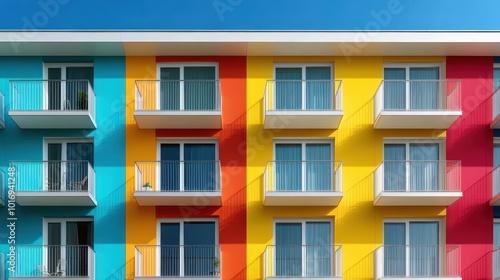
{"x": 146, "y": 187}
{"x": 82, "y": 103}
{"x": 216, "y": 271}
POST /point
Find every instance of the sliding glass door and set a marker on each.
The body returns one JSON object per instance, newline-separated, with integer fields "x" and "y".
{"x": 68, "y": 87}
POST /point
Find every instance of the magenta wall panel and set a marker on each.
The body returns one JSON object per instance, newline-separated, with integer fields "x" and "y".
{"x": 470, "y": 220}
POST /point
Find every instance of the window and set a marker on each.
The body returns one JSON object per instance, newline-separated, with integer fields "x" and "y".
{"x": 496, "y": 234}
{"x": 412, "y": 87}
{"x": 304, "y": 87}
{"x": 412, "y": 165}
{"x": 189, "y": 165}
{"x": 411, "y": 248}
{"x": 303, "y": 165}
{"x": 496, "y": 153}
{"x": 496, "y": 76}
{"x": 192, "y": 87}
{"x": 189, "y": 248}
{"x": 67, "y": 85}
{"x": 67, "y": 163}
{"x": 303, "y": 248}
{"x": 68, "y": 242}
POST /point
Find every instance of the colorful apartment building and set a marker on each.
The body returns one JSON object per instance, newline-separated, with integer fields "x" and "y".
{"x": 249, "y": 140}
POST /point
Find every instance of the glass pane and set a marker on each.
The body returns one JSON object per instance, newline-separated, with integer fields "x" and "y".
{"x": 394, "y": 88}
{"x": 170, "y": 249}
{"x": 288, "y": 173}
{"x": 78, "y": 234}
{"x": 169, "y": 88}
{"x": 200, "y": 88}
{"x": 54, "y": 88}
{"x": 54, "y": 156}
{"x": 319, "y": 88}
{"x": 424, "y": 95}
{"x": 496, "y": 78}
{"x": 170, "y": 167}
{"x": 496, "y": 235}
{"x": 394, "y": 167}
{"x": 318, "y": 250}
{"x": 77, "y": 82}
{"x": 394, "y": 249}
{"x": 53, "y": 246}
{"x": 424, "y": 249}
{"x": 199, "y": 249}
{"x": 288, "y": 249}
{"x": 79, "y": 155}
{"x": 424, "y": 167}
{"x": 496, "y": 155}
{"x": 318, "y": 167}
{"x": 288, "y": 91}
{"x": 200, "y": 173}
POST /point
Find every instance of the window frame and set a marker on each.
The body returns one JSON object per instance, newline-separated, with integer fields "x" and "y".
{"x": 495, "y": 66}
{"x": 303, "y": 66}
{"x": 181, "y": 222}
{"x": 182, "y": 142}
{"x": 496, "y": 221}
{"x": 181, "y": 66}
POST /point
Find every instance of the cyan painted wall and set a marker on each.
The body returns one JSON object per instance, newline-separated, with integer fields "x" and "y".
{"x": 109, "y": 160}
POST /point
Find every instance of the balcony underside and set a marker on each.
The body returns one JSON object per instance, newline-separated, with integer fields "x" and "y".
{"x": 178, "y": 119}
{"x": 55, "y": 199}
{"x": 303, "y": 119}
{"x": 283, "y": 198}
{"x": 2, "y": 124}
{"x": 416, "y": 119}
{"x": 416, "y": 198}
{"x": 53, "y": 119}
{"x": 2, "y": 202}
{"x": 495, "y": 201}
{"x": 495, "y": 124}
{"x": 150, "y": 198}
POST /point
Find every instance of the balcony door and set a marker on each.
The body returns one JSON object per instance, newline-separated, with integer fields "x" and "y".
{"x": 68, "y": 164}
{"x": 412, "y": 166}
{"x": 189, "y": 249}
{"x": 188, "y": 167}
{"x": 68, "y": 243}
{"x": 303, "y": 166}
{"x": 67, "y": 86}
{"x": 411, "y": 88}
{"x": 190, "y": 88}
{"x": 303, "y": 249}
{"x": 411, "y": 249}
{"x": 303, "y": 87}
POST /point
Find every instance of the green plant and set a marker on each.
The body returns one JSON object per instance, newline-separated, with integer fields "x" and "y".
{"x": 216, "y": 262}
{"x": 82, "y": 103}
{"x": 146, "y": 185}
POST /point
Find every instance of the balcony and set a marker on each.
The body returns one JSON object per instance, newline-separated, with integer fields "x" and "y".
{"x": 176, "y": 183}
{"x": 2, "y": 188}
{"x": 417, "y": 183}
{"x": 178, "y": 104}
{"x": 303, "y": 262}
{"x": 495, "y": 176}
{"x": 496, "y": 264}
{"x": 303, "y": 183}
{"x": 303, "y": 104}
{"x": 417, "y": 104}
{"x": 413, "y": 262}
{"x": 2, "y": 111}
{"x": 51, "y": 262}
{"x": 495, "y": 122}
{"x": 53, "y": 104}
{"x": 54, "y": 183}
{"x": 186, "y": 262}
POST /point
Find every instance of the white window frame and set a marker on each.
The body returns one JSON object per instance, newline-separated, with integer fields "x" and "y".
{"x": 303, "y": 66}
{"x": 63, "y": 222}
{"x": 495, "y": 66}
{"x": 407, "y": 67}
{"x": 407, "y": 222}
{"x": 181, "y": 67}
{"x": 303, "y": 228}
{"x": 181, "y": 142}
{"x": 303, "y": 143}
{"x": 407, "y": 142}
{"x": 181, "y": 238}
{"x": 63, "y": 67}
{"x": 64, "y": 142}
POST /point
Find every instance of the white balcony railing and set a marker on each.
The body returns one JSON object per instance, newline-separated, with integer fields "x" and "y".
{"x": 178, "y": 95}
{"x": 303, "y": 176}
{"x": 496, "y": 264}
{"x": 61, "y": 261}
{"x": 303, "y": 95}
{"x": 2, "y": 266}
{"x": 53, "y": 95}
{"x": 2, "y": 110}
{"x": 496, "y": 108}
{"x": 164, "y": 261}
{"x": 418, "y": 176}
{"x": 418, "y": 261}
{"x": 54, "y": 176}
{"x": 178, "y": 176}
{"x": 306, "y": 261}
